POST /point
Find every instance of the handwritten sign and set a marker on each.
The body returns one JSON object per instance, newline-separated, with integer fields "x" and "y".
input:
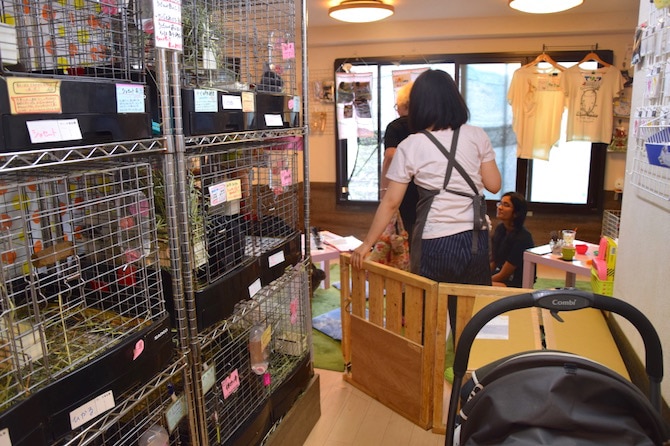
{"x": 205, "y": 101}
{"x": 208, "y": 379}
{"x": 130, "y": 98}
{"x": 273, "y": 120}
{"x": 288, "y": 50}
{"x": 167, "y": 24}
{"x": 286, "y": 177}
{"x": 223, "y": 192}
{"x": 52, "y": 130}
{"x": 231, "y": 102}
{"x": 248, "y": 102}
{"x": 230, "y": 384}
{"x": 28, "y": 95}
{"x": 91, "y": 410}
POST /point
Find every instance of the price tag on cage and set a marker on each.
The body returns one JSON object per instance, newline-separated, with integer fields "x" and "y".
{"x": 175, "y": 412}
{"x": 5, "y": 440}
{"x": 230, "y": 384}
{"x": 53, "y": 130}
{"x": 91, "y": 410}
{"x": 288, "y": 50}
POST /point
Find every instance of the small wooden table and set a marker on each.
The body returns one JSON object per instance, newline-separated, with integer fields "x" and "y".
{"x": 542, "y": 255}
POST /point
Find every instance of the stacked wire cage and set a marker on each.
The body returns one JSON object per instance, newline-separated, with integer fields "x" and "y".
{"x": 243, "y": 212}
{"x": 249, "y": 356}
{"x": 56, "y": 55}
{"x": 83, "y": 313}
{"x": 239, "y": 70}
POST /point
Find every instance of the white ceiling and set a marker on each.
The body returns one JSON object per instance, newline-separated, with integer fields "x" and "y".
{"x": 449, "y": 9}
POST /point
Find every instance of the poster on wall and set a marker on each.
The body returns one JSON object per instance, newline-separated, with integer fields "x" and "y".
{"x": 402, "y": 77}
{"x": 353, "y": 97}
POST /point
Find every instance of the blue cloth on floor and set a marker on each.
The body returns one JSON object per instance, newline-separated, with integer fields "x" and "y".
{"x": 329, "y": 323}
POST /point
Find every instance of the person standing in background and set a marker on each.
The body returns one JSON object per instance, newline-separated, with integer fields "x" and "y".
{"x": 510, "y": 240}
{"x": 444, "y": 232}
{"x": 396, "y": 131}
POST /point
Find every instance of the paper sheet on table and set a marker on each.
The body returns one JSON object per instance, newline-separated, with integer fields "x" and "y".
{"x": 342, "y": 244}
{"x": 496, "y": 328}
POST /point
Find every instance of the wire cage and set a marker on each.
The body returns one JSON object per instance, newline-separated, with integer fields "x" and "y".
{"x": 243, "y": 202}
{"x": 79, "y": 274}
{"x": 90, "y": 38}
{"x": 236, "y": 387}
{"x": 156, "y": 410}
{"x": 240, "y": 45}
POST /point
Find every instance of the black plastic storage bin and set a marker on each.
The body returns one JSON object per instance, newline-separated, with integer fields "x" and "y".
{"x": 275, "y": 110}
{"x": 93, "y": 103}
{"x": 204, "y": 117}
{"x": 26, "y": 423}
{"x": 274, "y": 262}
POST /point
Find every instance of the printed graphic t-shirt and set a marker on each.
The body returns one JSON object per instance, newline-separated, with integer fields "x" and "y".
{"x": 589, "y": 98}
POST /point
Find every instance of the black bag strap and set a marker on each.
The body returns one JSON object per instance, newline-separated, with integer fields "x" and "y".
{"x": 451, "y": 156}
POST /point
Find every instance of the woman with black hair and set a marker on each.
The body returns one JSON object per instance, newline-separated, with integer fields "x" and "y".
{"x": 510, "y": 239}
{"x": 446, "y": 245}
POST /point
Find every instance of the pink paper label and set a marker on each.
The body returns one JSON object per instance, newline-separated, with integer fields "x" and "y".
{"x": 286, "y": 178}
{"x": 294, "y": 311}
{"x": 288, "y": 50}
{"x": 230, "y": 384}
{"x": 139, "y": 348}
{"x": 267, "y": 380}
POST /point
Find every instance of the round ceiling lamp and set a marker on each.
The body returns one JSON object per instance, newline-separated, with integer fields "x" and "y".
{"x": 361, "y": 11}
{"x": 543, "y": 6}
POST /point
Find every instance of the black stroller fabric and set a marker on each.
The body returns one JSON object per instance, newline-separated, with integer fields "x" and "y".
{"x": 554, "y": 398}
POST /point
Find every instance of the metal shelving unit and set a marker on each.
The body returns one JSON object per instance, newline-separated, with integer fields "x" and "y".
{"x": 116, "y": 204}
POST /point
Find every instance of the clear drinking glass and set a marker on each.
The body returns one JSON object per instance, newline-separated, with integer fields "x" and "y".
{"x": 569, "y": 237}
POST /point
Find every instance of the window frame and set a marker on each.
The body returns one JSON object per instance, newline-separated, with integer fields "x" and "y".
{"x": 595, "y": 194}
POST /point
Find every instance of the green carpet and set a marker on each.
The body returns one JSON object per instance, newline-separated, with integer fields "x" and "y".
{"x": 328, "y": 351}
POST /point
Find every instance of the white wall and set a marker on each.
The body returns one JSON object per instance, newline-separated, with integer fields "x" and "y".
{"x": 415, "y": 39}
{"x": 641, "y": 275}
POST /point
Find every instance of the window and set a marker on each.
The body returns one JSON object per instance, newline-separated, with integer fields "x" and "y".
{"x": 484, "y": 80}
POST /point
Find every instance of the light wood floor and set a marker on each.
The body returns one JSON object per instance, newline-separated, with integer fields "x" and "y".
{"x": 349, "y": 417}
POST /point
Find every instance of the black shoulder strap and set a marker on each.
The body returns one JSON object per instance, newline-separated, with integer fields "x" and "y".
{"x": 451, "y": 156}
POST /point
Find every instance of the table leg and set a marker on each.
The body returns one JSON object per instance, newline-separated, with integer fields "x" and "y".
{"x": 570, "y": 279}
{"x": 326, "y": 268}
{"x": 528, "y": 277}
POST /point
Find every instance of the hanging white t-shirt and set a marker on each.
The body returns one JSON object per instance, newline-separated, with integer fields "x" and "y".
{"x": 417, "y": 157}
{"x": 537, "y": 99}
{"x": 590, "y": 96}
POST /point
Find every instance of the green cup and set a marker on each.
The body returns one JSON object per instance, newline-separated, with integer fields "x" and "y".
{"x": 568, "y": 252}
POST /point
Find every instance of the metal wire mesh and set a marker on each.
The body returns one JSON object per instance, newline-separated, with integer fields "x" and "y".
{"x": 101, "y": 39}
{"x": 242, "y": 202}
{"x": 157, "y": 404}
{"x": 235, "y": 392}
{"x": 240, "y": 44}
{"x": 78, "y": 269}
{"x": 611, "y": 221}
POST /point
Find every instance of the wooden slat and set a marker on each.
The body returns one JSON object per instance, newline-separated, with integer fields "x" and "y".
{"x": 393, "y": 305}
{"x": 376, "y": 299}
{"x": 414, "y": 314}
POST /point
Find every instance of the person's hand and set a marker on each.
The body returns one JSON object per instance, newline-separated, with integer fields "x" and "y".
{"x": 359, "y": 254}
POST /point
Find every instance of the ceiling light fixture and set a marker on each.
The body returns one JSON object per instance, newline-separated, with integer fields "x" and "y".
{"x": 543, "y": 6}
{"x": 361, "y": 11}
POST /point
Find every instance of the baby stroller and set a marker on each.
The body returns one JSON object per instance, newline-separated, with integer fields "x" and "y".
{"x": 549, "y": 397}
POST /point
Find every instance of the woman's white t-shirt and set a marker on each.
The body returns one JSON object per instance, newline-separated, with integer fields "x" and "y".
{"x": 418, "y": 157}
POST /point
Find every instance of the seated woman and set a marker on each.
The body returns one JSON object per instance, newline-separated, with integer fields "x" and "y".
{"x": 510, "y": 240}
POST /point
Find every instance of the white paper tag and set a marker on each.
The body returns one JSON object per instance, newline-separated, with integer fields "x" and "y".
{"x": 204, "y": 101}
{"x": 208, "y": 379}
{"x": 91, "y": 410}
{"x": 276, "y": 259}
{"x": 4, "y": 438}
{"x": 175, "y": 412}
{"x": 231, "y": 102}
{"x": 273, "y": 121}
{"x": 53, "y": 130}
{"x": 130, "y": 98}
{"x": 255, "y": 287}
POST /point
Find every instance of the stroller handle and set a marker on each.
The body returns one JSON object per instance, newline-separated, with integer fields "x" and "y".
{"x": 563, "y": 299}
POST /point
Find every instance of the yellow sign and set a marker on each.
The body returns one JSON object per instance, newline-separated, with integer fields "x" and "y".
{"x": 29, "y": 95}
